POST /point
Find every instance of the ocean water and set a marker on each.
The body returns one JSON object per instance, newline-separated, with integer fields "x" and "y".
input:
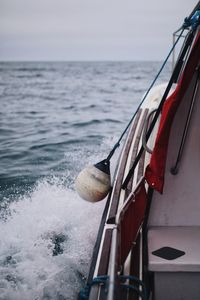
{"x": 55, "y": 118}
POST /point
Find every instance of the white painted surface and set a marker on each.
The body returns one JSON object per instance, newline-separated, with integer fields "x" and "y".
{"x": 152, "y": 102}
{"x": 186, "y": 239}
{"x": 180, "y": 203}
{"x": 174, "y": 219}
{"x": 155, "y": 95}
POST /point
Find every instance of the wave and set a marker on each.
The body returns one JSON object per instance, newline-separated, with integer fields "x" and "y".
{"x": 46, "y": 240}
{"x": 28, "y": 76}
{"x": 95, "y": 122}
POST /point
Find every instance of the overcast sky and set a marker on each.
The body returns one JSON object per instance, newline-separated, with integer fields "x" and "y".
{"x": 89, "y": 29}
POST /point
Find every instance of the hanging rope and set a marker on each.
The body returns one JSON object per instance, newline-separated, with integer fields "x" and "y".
{"x": 145, "y": 96}
{"x": 192, "y": 22}
{"x": 84, "y": 293}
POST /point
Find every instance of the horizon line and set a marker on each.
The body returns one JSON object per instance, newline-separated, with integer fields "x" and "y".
{"x": 83, "y": 60}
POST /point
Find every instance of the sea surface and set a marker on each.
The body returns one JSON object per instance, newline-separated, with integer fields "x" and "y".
{"x": 56, "y": 118}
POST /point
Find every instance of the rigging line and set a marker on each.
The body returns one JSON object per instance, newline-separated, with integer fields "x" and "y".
{"x": 146, "y": 94}
{"x": 174, "y": 75}
{"x": 175, "y": 34}
{"x": 190, "y": 22}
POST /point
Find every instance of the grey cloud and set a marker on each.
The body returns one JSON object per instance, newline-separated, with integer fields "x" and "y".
{"x": 84, "y": 29}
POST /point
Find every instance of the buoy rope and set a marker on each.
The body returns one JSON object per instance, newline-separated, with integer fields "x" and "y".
{"x": 192, "y": 21}
{"x": 143, "y": 99}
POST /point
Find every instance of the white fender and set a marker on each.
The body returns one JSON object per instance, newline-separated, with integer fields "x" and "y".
{"x": 93, "y": 184}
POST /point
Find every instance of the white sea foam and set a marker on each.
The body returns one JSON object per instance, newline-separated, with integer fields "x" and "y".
{"x": 28, "y": 268}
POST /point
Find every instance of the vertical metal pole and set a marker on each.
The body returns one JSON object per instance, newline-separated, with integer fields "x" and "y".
{"x": 173, "y": 53}
{"x": 174, "y": 170}
{"x": 113, "y": 256}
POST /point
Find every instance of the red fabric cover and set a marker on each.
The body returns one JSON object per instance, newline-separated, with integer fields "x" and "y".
{"x": 156, "y": 169}
{"x": 131, "y": 220}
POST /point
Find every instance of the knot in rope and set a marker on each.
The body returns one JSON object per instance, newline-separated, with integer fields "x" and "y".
{"x": 84, "y": 293}
{"x": 193, "y": 21}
